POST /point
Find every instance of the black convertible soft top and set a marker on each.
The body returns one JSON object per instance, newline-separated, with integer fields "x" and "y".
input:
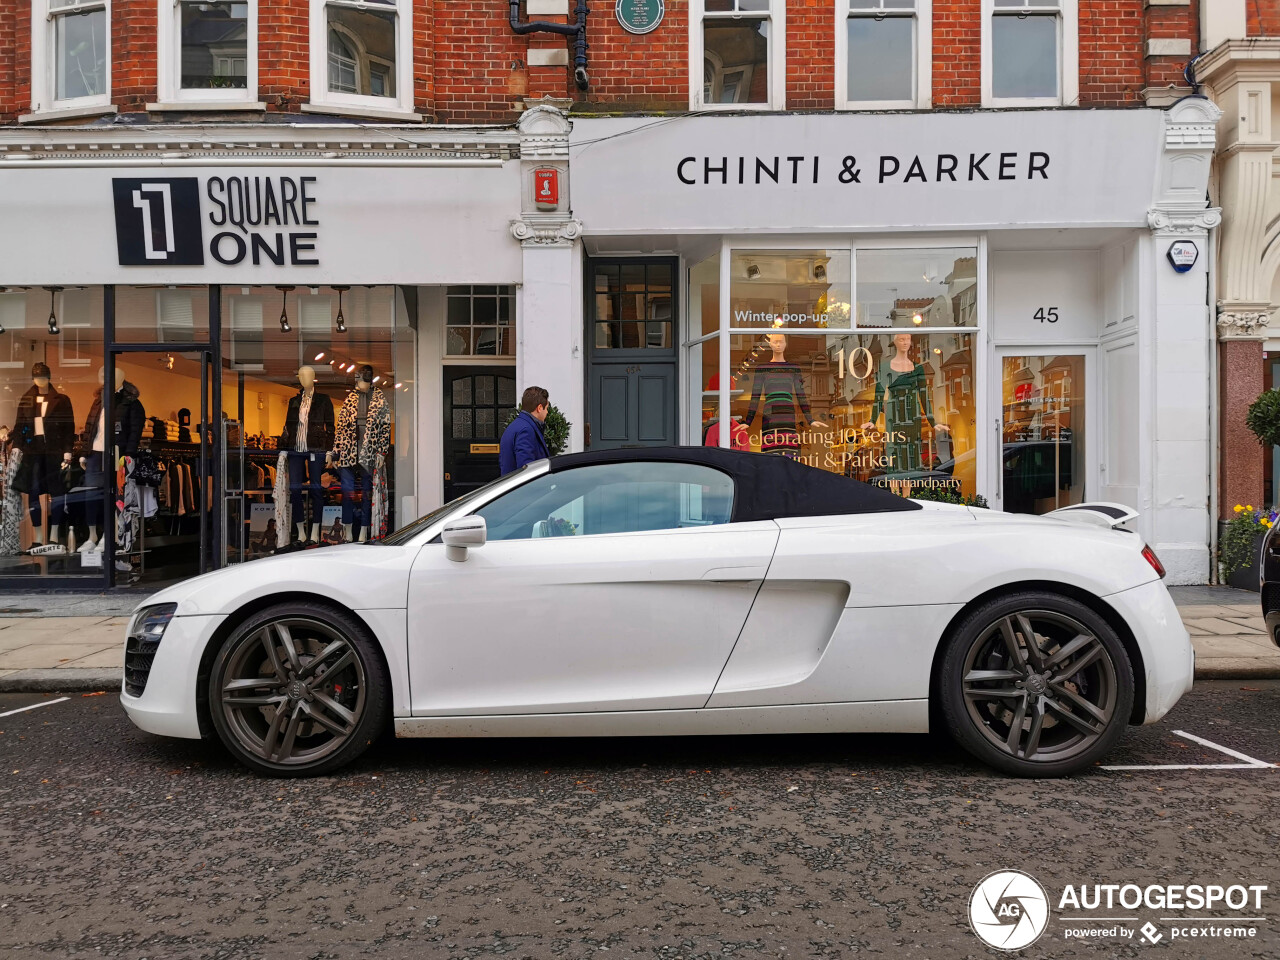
{"x": 766, "y": 486}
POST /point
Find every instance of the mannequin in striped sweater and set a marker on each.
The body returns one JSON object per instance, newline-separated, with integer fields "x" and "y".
{"x": 777, "y": 390}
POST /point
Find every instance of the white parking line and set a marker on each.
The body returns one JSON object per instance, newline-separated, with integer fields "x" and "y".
{"x": 34, "y": 706}
{"x": 1249, "y": 762}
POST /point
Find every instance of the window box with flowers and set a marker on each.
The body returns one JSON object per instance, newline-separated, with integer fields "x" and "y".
{"x": 1240, "y": 545}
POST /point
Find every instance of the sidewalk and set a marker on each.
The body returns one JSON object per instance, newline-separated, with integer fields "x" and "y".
{"x": 71, "y": 643}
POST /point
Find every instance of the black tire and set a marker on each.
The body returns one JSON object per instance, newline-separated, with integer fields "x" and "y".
{"x": 1068, "y": 699}
{"x": 299, "y": 689}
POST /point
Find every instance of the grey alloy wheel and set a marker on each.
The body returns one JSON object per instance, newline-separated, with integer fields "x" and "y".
{"x": 1037, "y": 685}
{"x": 297, "y": 690}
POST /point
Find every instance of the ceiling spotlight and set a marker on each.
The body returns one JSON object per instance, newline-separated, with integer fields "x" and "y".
{"x": 342, "y": 321}
{"x": 319, "y": 356}
{"x": 284, "y": 317}
{"x": 917, "y": 319}
{"x": 937, "y": 350}
{"x": 399, "y": 385}
{"x": 376, "y": 379}
{"x": 819, "y": 272}
{"x": 53, "y": 317}
{"x": 753, "y": 272}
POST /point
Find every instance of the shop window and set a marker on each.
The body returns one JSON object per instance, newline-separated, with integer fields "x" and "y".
{"x": 929, "y": 287}
{"x": 1030, "y": 52}
{"x": 50, "y": 480}
{"x": 479, "y": 321}
{"x": 789, "y": 289}
{"x": 287, "y": 485}
{"x": 71, "y": 55}
{"x": 361, "y": 54}
{"x": 883, "y": 54}
{"x": 737, "y": 54}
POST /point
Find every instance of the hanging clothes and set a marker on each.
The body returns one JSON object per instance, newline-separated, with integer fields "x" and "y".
{"x": 10, "y": 500}
{"x": 280, "y": 494}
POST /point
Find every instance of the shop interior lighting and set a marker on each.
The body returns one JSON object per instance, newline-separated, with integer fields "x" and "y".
{"x": 753, "y": 272}
{"x": 320, "y": 356}
{"x": 284, "y": 317}
{"x": 3, "y": 290}
{"x": 937, "y": 350}
{"x": 917, "y": 319}
{"x": 819, "y": 272}
{"x": 342, "y": 321}
{"x": 376, "y": 379}
{"x": 53, "y": 317}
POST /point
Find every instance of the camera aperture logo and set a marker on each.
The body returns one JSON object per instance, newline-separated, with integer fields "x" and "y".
{"x": 1009, "y": 910}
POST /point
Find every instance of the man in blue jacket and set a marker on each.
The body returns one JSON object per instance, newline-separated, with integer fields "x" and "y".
{"x": 522, "y": 442}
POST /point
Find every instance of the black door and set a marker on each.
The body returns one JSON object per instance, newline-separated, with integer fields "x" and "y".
{"x": 632, "y": 390}
{"x": 477, "y": 401}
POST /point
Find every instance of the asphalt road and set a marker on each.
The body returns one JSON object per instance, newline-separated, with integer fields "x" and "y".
{"x": 120, "y": 844}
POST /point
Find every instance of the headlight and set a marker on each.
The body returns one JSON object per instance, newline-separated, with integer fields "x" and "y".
{"x": 149, "y": 623}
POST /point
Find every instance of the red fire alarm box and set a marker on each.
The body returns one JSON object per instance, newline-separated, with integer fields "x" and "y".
{"x": 546, "y": 188}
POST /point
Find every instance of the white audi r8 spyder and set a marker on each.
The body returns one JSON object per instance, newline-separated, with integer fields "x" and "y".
{"x": 675, "y": 591}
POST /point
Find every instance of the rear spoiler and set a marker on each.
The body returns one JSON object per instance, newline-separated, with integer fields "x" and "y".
{"x": 1098, "y": 514}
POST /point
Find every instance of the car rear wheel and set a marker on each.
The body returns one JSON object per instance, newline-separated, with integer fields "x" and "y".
{"x": 1036, "y": 685}
{"x": 298, "y": 690}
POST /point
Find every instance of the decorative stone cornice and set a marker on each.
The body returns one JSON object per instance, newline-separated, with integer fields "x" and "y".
{"x": 551, "y": 230}
{"x": 1180, "y": 223}
{"x": 320, "y": 142}
{"x": 1235, "y": 324}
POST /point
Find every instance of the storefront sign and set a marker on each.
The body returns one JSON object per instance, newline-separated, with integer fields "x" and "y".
{"x": 639, "y": 16}
{"x": 263, "y": 219}
{"x": 245, "y": 224}
{"x": 776, "y": 173}
{"x": 1183, "y": 255}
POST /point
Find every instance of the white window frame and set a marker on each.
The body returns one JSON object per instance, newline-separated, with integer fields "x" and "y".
{"x": 1068, "y": 56}
{"x": 44, "y": 57}
{"x": 402, "y": 102}
{"x": 777, "y": 63}
{"x": 169, "y": 60}
{"x": 922, "y": 96}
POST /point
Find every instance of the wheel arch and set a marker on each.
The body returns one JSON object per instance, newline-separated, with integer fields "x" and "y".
{"x": 1092, "y": 601}
{"x": 242, "y": 614}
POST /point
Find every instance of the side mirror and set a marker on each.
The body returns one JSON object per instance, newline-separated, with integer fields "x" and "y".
{"x": 462, "y": 533}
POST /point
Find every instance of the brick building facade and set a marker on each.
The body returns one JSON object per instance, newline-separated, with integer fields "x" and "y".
{"x": 984, "y": 190}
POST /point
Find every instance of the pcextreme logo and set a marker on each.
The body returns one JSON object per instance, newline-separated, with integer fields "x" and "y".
{"x": 1009, "y": 910}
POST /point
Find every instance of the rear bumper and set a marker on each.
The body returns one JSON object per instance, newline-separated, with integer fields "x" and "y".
{"x": 1168, "y": 658}
{"x": 167, "y": 706}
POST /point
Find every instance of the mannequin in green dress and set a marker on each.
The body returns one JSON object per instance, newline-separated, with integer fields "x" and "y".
{"x": 902, "y": 393}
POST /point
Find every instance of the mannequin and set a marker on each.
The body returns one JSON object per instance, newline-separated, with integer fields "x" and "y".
{"x": 902, "y": 393}
{"x": 45, "y": 429}
{"x": 363, "y": 440}
{"x": 94, "y": 439}
{"x": 778, "y": 387}
{"x": 307, "y": 437}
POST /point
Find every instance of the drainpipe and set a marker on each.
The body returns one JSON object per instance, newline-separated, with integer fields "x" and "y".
{"x": 576, "y": 30}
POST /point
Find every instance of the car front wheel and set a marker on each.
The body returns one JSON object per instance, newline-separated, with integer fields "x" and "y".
{"x": 1036, "y": 685}
{"x": 298, "y": 689}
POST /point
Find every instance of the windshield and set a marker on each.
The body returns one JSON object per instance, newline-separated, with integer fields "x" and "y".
{"x": 408, "y": 532}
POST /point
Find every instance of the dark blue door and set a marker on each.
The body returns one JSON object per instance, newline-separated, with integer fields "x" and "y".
{"x": 632, "y": 330}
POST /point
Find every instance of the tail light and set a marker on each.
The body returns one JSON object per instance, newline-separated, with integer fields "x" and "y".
{"x": 1150, "y": 556}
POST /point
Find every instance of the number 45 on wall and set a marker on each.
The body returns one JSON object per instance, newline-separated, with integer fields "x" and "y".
{"x": 1046, "y": 315}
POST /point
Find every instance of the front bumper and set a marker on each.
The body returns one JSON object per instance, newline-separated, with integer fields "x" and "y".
{"x": 1167, "y": 654}
{"x": 167, "y": 706}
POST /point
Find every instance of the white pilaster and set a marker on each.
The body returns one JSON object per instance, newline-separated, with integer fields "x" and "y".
{"x": 1179, "y": 340}
{"x": 549, "y": 350}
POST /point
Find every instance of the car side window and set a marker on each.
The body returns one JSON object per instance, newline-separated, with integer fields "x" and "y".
{"x": 611, "y": 498}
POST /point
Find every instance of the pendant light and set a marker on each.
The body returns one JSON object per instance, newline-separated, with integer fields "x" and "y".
{"x": 284, "y": 317}
{"x": 3, "y": 290}
{"x": 342, "y": 321}
{"x": 53, "y": 316}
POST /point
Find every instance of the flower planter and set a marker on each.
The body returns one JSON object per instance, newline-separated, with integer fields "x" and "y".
{"x": 1246, "y": 578}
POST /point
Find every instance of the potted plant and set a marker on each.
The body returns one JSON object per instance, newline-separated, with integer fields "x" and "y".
{"x": 555, "y": 431}
{"x": 1240, "y": 546}
{"x": 948, "y": 495}
{"x": 1263, "y": 418}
